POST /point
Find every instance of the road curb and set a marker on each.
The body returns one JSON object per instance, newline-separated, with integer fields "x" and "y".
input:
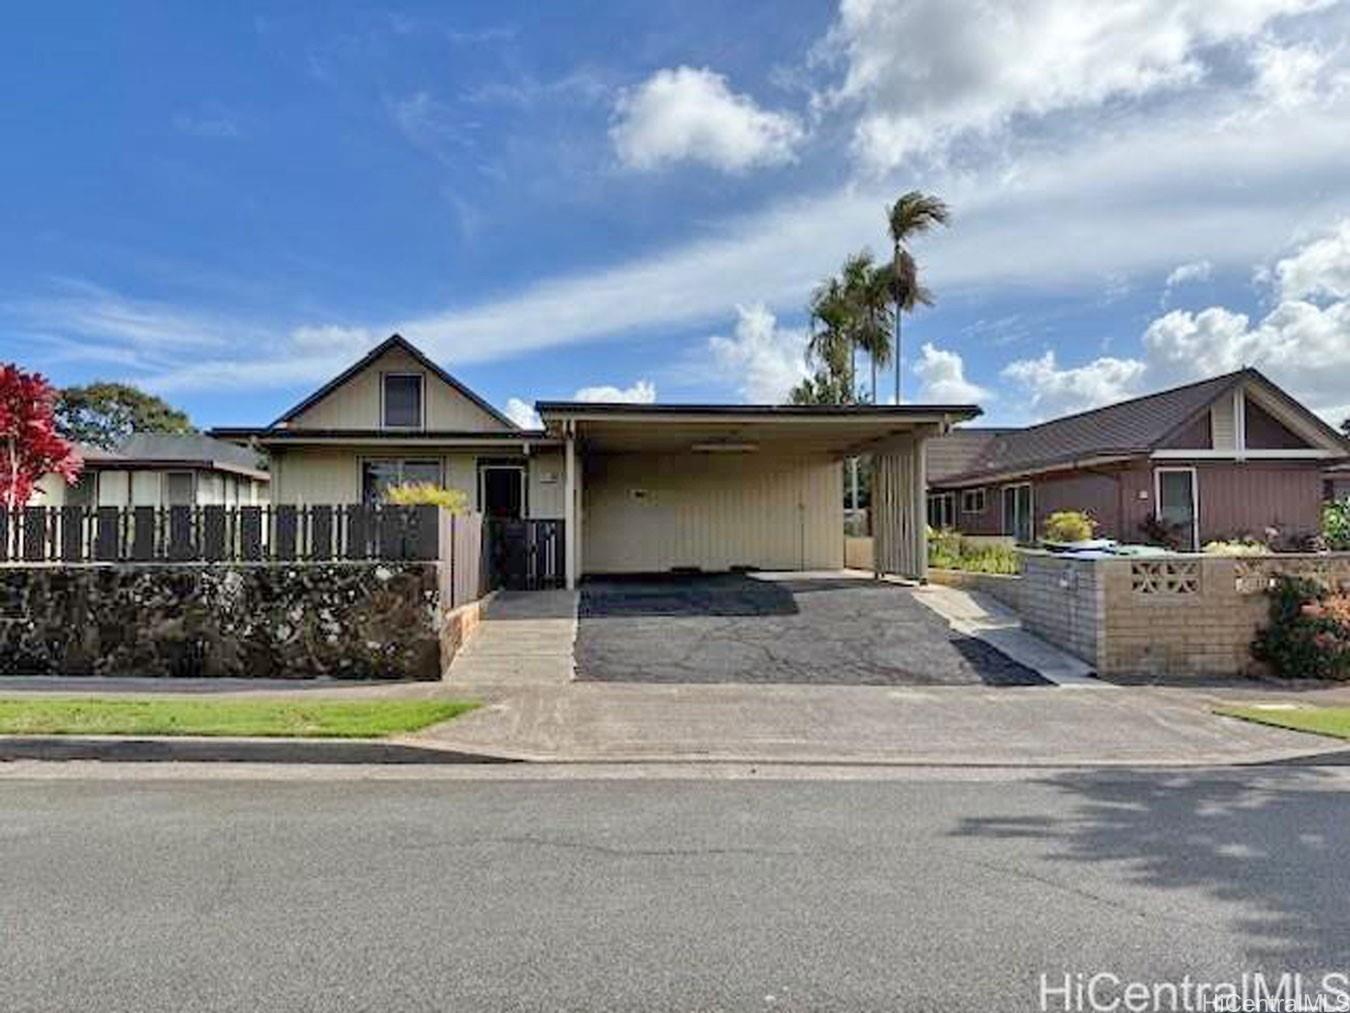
{"x": 168, "y": 749}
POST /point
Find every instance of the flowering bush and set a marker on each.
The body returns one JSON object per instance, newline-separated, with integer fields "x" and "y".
{"x": 427, "y": 494}
{"x": 1069, "y": 526}
{"x": 1309, "y": 632}
{"x": 1336, "y": 525}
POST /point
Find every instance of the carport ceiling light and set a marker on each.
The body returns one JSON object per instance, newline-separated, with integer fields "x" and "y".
{"x": 724, "y": 447}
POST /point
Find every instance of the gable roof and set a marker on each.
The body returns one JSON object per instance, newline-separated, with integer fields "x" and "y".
{"x": 959, "y": 450}
{"x": 394, "y": 341}
{"x": 1127, "y": 428}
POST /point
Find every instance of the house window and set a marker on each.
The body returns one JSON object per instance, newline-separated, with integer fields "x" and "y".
{"x": 402, "y": 400}
{"x": 942, "y": 510}
{"x": 1177, "y": 499}
{"x": 972, "y": 501}
{"x": 378, "y": 476}
{"x": 1018, "y": 516}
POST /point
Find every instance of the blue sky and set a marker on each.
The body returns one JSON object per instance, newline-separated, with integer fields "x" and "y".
{"x": 228, "y": 203}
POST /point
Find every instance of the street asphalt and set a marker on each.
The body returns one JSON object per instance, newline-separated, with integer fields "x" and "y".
{"x": 942, "y": 893}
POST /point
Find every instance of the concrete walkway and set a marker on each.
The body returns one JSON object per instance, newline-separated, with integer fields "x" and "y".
{"x": 983, "y": 618}
{"x": 525, "y": 639}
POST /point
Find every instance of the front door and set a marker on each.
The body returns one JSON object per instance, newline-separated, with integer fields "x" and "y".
{"x": 503, "y": 491}
{"x": 1177, "y": 501}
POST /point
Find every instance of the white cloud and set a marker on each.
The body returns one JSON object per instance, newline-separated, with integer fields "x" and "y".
{"x": 943, "y": 378}
{"x": 690, "y": 114}
{"x": 1321, "y": 268}
{"x": 522, "y": 413}
{"x": 1054, "y": 391}
{"x": 1196, "y": 270}
{"x": 642, "y": 392}
{"x": 1288, "y": 76}
{"x": 767, "y": 360}
{"x": 928, "y": 71}
{"x": 1301, "y": 345}
{"x": 214, "y": 123}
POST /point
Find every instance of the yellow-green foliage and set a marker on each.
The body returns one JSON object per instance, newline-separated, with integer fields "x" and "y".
{"x": 1241, "y": 547}
{"x": 426, "y": 494}
{"x": 948, "y": 550}
{"x": 1069, "y": 526}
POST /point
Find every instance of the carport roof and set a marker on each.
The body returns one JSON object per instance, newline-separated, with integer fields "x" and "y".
{"x": 831, "y": 429}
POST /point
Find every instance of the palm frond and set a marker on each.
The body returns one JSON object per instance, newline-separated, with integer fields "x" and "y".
{"x": 915, "y": 213}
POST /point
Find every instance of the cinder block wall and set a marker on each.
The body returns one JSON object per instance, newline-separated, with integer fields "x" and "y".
{"x": 1186, "y": 615}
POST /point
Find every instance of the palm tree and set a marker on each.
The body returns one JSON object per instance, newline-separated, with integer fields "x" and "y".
{"x": 831, "y": 345}
{"x": 913, "y": 214}
{"x": 868, "y": 291}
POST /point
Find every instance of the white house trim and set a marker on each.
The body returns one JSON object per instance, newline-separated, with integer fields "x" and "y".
{"x": 1300, "y": 454}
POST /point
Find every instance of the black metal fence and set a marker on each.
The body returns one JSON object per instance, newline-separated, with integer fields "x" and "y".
{"x": 78, "y": 534}
{"x": 526, "y": 555}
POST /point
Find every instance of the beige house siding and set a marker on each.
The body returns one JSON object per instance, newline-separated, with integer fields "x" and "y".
{"x": 653, "y": 513}
{"x": 548, "y": 490}
{"x": 356, "y": 403}
{"x": 1223, "y": 424}
{"x": 320, "y": 475}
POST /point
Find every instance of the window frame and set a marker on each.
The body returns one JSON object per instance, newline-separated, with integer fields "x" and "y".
{"x": 949, "y": 498}
{"x": 1195, "y": 498}
{"x": 401, "y": 461}
{"x": 983, "y": 493}
{"x": 1031, "y": 512}
{"x": 421, "y": 379}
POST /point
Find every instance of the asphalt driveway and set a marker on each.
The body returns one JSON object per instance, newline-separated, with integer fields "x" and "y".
{"x": 735, "y": 628}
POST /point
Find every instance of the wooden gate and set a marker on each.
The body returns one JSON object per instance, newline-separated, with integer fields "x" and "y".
{"x": 526, "y": 555}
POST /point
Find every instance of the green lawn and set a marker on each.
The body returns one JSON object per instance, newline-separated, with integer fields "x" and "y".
{"x": 1333, "y": 721}
{"x": 343, "y": 719}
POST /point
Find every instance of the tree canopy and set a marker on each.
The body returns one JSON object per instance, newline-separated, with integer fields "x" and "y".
{"x": 105, "y": 414}
{"x": 29, "y": 445}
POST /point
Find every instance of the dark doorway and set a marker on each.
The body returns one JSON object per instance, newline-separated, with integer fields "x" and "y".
{"x": 503, "y": 491}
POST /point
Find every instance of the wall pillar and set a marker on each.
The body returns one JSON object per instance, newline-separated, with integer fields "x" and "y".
{"x": 570, "y": 511}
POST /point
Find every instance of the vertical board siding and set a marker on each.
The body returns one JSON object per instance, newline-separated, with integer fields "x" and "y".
{"x": 1247, "y": 498}
{"x": 650, "y": 513}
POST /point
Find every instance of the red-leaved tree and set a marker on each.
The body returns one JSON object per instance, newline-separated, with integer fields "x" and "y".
{"x": 29, "y": 444}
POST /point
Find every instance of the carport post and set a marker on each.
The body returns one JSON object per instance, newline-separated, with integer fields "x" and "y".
{"x": 570, "y": 507}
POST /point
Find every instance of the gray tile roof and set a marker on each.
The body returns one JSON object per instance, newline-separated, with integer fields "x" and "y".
{"x": 196, "y": 447}
{"x": 1128, "y": 427}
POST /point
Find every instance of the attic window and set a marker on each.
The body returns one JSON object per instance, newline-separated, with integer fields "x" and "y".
{"x": 402, "y": 400}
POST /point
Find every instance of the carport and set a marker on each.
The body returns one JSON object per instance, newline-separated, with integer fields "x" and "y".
{"x": 669, "y": 488}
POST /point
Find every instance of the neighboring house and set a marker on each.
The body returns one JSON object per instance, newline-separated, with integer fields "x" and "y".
{"x": 639, "y": 488}
{"x": 150, "y": 469}
{"x": 1225, "y": 457}
{"x": 1336, "y": 483}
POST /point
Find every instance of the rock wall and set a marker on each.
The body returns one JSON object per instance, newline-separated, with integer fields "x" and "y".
{"x": 268, "y": 620}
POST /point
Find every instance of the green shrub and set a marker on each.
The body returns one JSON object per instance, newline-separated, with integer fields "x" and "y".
{"x": 427, "y": 494}
{"x": 1336, "y": 525}
{"x": 1069, "y": 526}
{"x": 1308, "y": 636}
{"x": 948, "y": 550}
{"x": 1236, "y": 547}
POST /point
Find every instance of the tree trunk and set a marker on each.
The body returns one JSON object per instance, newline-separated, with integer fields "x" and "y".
{"x": 897, "y": 352}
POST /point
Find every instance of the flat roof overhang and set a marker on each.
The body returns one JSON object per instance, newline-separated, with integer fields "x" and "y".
{"x": 835, "y": 431}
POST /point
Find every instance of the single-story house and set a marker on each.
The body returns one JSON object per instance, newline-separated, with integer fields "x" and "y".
{"x": 639, "y": 488}
{"x": 1230, "y": 456}
{"x": 160, "y": 470}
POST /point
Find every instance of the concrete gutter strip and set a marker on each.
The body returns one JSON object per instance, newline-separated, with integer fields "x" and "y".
{"x": 213, "y": 749}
